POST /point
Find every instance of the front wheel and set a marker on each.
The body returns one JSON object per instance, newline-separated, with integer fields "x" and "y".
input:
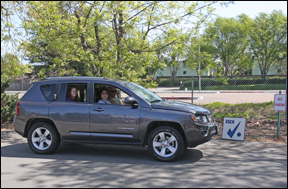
{"x": 43, "y": 138}
{"x": 166, "y": 143}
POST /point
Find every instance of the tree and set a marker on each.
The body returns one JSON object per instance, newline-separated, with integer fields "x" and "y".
{"x": 200, "y": 50}
{"x": 229, "y": 36}
{"x": 11, "y": 67}
{"x": 11, "y": 31}
{"x": 268, "y": 38}
{"x": 172, "y": 55}
{"x": 110, "y": 39}
{"x": 281, "y": 62}
{"x": 11, "y": 38}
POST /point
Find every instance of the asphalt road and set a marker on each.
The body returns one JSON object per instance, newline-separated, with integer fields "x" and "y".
{"x": 218, "y": 163}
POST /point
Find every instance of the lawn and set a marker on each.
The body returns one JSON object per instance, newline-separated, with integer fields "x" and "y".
{"x": 241, "y": 87}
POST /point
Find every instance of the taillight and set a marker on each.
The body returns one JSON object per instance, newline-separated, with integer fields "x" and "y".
{"x": 17, "y": 107}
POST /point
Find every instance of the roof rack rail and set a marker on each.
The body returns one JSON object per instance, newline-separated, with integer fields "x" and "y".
{"x": 72, "y": 77}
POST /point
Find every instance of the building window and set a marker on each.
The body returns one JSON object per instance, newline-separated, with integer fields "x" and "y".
{"x": 184, "y": 72}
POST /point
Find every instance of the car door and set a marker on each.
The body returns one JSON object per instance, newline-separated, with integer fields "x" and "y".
{"x": 113, "y": 123}
{"x": 71, "y": 118}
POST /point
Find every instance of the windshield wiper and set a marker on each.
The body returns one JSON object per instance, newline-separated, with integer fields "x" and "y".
{"x": 156, "y": 101}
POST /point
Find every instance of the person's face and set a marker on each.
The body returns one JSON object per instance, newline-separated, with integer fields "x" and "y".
{"x": 112, "y": 92}
{"x": 73, "y": 92}
{"x": 104, "y": 95}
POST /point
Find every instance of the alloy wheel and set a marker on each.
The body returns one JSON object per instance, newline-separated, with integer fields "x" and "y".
{"x": 165, "y": 144}
{"x": 41, "y": 138}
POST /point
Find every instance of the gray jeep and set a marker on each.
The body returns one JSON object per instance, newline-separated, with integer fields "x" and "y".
{"x": 167, "y": 127}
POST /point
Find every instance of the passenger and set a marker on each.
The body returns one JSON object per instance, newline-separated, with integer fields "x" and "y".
{"x": 112, "y": 96}
{"x": 104, "y": 96}
{"x": 73, "y": 94}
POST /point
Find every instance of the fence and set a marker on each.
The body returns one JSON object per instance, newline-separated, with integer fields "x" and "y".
{"x": 237, "y": 89}
{"x": 232, "y": 83}
{"x": 19, "y": 85}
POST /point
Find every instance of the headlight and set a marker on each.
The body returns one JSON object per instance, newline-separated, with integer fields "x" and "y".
{"x": 200, "y": 118}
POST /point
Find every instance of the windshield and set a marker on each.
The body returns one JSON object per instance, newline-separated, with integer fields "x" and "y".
{"x": 143, "y": 92}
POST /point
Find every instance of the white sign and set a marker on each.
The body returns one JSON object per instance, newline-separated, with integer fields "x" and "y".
{"x": 280, "y": 101}
{"x": 234, "y": 128}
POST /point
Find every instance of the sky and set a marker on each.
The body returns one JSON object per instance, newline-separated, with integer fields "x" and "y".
{"x": 251, "y": 8}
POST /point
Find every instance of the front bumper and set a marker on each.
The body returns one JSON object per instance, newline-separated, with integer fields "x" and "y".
{"x": 213, "y": 130}
{"x": 201, "y": 135}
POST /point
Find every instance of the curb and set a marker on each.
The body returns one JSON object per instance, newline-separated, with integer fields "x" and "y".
{"x": 182, "y": 98}
{"x": 189, "y": 92}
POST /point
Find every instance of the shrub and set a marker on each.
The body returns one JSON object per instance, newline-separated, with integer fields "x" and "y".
{"x": 170, "y": 82}
{"x": 8, "y": 103}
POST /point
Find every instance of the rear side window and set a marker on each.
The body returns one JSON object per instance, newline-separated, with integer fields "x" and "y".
{"x": 48, "y": 91}
{"x": 78, "y": 89}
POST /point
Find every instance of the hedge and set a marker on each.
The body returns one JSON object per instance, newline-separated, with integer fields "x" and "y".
{"x": 186, "y": 82}
{"x": 8, "y": 103}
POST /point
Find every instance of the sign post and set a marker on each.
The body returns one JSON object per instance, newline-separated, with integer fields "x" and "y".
{"x": 280, "y": 101}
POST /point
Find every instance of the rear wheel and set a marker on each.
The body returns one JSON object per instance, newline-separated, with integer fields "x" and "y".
{"x": 43, "y": 138}
{"x": 166, "y": 143}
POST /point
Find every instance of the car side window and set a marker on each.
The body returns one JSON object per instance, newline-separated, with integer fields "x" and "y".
{"x": 116, "y": 96}
{"x": 48, "y": 91}
{"x": 76, "y": 92}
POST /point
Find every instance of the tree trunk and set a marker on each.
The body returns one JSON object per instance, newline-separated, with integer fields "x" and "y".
{"x": 226, "y": 71}
{"x": 119, "y": 33}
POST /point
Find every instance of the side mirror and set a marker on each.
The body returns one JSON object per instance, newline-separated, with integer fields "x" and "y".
{"x": 131, "y": 101}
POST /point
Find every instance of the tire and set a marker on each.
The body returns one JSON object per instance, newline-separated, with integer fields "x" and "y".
{"x": 43, "y": 138}
{"x": 166, "y": 143}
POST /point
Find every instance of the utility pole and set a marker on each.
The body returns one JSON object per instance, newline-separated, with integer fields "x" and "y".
{"x": 199, "y": 65}
{"x": 22, "y": 77}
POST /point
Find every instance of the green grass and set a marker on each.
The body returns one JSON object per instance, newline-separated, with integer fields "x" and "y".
{"x": 244, "y": 110}
{"x": 273, "y": 117}
{"x": 241, "y": 87}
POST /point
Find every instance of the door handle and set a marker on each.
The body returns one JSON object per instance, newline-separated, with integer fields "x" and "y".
{"x": 98, "y": 109}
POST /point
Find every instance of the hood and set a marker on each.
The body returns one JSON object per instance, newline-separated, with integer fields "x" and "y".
{"x": 180, "y": 106}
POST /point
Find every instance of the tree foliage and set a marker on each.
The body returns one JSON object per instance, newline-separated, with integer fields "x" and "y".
{"x": 268, "y": 40}
{"x": 236, "y": 44}
{"x": 11, "y": 31}
{"x": 10, "y": 66}
{"x": 11, "y": 39}
{"x": 228, "y": 40}
{"x": 108, "y": 39}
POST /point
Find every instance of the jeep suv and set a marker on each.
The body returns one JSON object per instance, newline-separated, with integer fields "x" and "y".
{"x": 46, "y": 118}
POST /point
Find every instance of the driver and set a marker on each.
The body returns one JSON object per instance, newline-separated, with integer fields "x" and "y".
{"x": 112, "y": 96}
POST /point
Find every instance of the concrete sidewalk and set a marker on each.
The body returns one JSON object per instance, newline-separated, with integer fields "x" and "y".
{"x": 176, "y": 90}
